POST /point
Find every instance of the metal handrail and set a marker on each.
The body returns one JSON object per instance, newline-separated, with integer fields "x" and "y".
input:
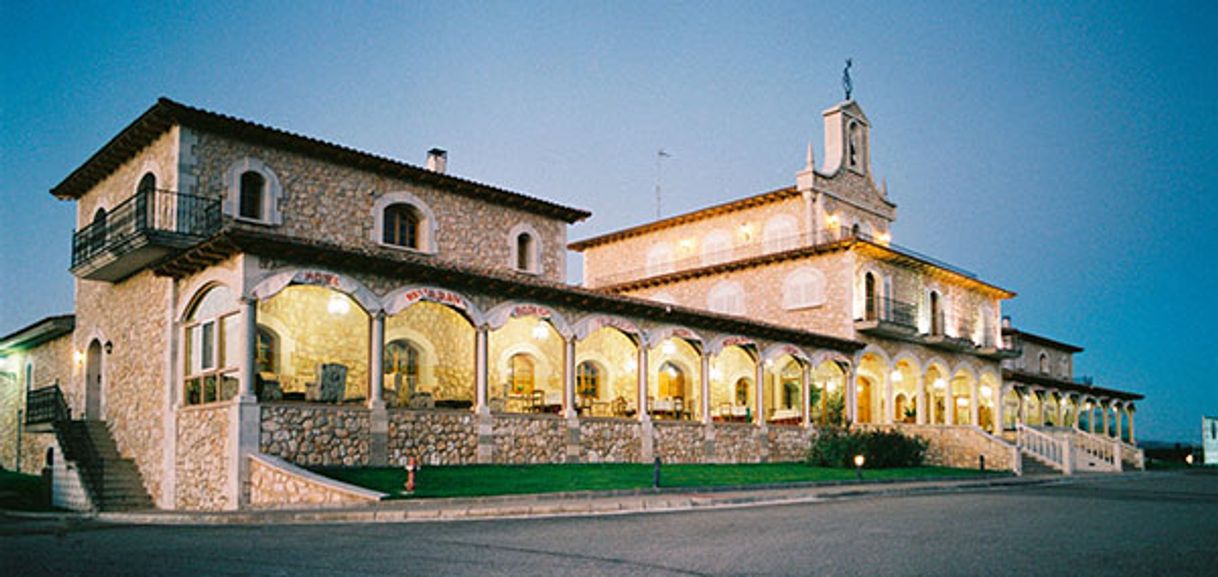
{"x": 150, "y": 210}
{"x": 48, "y": 405}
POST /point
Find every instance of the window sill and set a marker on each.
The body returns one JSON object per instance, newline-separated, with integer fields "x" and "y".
{"x": 406, "y": 249}
{"x": 254, "y": 221}
{"x": 801, "y": 306}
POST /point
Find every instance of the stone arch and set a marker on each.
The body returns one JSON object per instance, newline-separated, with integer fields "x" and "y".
{"x": 593, "y": 322}
{"x": 501, "y": 313}
{"x": 720, "y": 342}
{"x": 660, "y": 334}
{"x": 272, "y": 283}
{"x": 777, "y": 350}
{"x": 402, "y": 298}
{"x": 430, "y": 227}
{"x": 273, "y": 191}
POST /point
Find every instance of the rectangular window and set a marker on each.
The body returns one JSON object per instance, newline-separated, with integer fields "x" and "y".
{"x": 207, "y": 346}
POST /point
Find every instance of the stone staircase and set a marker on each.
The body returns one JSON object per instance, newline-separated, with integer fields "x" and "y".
{"x": 114, "y": 482}
{"x": 1033, "y": 466}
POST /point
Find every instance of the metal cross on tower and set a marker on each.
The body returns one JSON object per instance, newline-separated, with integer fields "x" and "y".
{"x": 846, "y": 83}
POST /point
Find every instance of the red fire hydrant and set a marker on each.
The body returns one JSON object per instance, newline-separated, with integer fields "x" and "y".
{"x": 412, "y": 465}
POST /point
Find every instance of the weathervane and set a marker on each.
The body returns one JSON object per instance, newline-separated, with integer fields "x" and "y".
{"x": 846, "y": 84}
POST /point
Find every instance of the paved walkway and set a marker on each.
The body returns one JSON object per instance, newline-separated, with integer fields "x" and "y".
{"x": 563, "y": 504}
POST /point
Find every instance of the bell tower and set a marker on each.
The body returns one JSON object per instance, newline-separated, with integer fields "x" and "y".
{"x": 847, "y": 139}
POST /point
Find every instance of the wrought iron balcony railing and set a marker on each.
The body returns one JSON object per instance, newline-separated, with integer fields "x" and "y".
{"x": 891, "y": 311}
{"x": 149, "y": 217}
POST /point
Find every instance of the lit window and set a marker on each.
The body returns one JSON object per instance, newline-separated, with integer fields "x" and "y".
{"x": 672, "y": 381}
{"x": 742, "y": 391}
{"x": 588, "y": 380}
{"x": 212, "y": 348}
{"x": 402, "y": 363}
{"x": 520, "y": 375}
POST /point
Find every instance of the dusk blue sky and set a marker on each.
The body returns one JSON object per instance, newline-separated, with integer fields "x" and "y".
{"x": 1066, "y": 152}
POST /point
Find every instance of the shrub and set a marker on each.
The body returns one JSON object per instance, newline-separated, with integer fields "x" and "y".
{"x": 835, "y": 447}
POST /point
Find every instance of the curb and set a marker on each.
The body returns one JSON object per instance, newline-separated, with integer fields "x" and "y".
{"x": 573, "y": 505}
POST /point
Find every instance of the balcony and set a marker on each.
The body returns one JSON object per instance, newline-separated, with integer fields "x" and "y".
{"x": 140, "y": 231}
{"x": 887, "y": 317}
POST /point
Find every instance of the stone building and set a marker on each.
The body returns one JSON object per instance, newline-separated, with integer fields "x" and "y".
{"x": 249, "y": 301}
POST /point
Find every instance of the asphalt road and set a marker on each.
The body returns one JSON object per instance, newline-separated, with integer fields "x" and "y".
{"x": 1162, "y": 524}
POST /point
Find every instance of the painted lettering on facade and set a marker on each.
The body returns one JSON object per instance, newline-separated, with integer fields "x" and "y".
{"x": 530, "y": 311}
{"x": 435, "y": 295}
{"x": 318, "y": 279}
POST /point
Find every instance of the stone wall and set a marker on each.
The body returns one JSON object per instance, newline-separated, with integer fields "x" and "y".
{"x": 529, "y": 439}
{"x": 961, "y": 446}
{"x": 763, "y": 284}
{"x": 609, "y": 441}
{"x": 787, "y": 443}
{"x": 203, "y": 457}
{"x": 434, "y": 437}
{"x": 276, "y": 483}
{"x": 133, "y": 316}
{"x": 677, "y": 442}
{"x": 316, "y": 435}
{"x": 334, "y": 203}
{"x": 738, "y": 443}
{"x": 744, "y": 227}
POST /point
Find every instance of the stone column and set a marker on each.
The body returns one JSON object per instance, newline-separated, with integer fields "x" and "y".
{"x": 378, "y": 417}
{"x": 481, "y": 404}
{"x": 1104, "y": 410}
{"x": 376, "y": 362}
{"x": 974, "y": 404}
{"x": 1022, "y": 416}
{"x": 249, "y": 341}
{"x": 949, "y": 405}
{"x": 1091, "y": 420}
{"x": 851, "y": 393}
{"x": 1116, "y": 421}
{"x": 568, "y": 378}
{"x": 886, "y": 404}
{"x": 643, "y": 415}
{"x": 704, "y": 382}
{"x": 1132, "y": 440}
{"x": 1043, "y": 398}
{"x": 759, "y": 418}
{"x": 920, "y": 402}
{"x": 805, "y": 391}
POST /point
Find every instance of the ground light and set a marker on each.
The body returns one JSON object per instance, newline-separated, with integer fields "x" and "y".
{"x": 858, "y": 465}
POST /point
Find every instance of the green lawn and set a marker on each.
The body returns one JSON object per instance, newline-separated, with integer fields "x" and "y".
{"x": 483, "y": 480}
{"x": 19, "y": 492}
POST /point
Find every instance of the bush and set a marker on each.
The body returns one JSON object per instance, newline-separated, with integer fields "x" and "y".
{"x": 881, "y": 449}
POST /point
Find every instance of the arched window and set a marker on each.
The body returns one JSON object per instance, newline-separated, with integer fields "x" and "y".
{"x": 266, "y": 354}
{"x": 97, "y": 231}
{"x": 780, "y": 233}
{"x": 727, "y": 298}
{"x": 791, "y": 373}
{"x": 253, "y": 190}
{"x": 743, "y": 385}
{"x": 402, "y": 359}
{"x": 520, "y": 374}
{"x": 854, "y": 229}
{"x": 804, "y": 287}
{"x": 212, "y": 348}
{"x": 672, "y": 381}
{"x": 936, "y": 314}
{"x": 29, "y": 376}
{"x": 588, "y": 380}
{"x": 145, "y": 197}
{"x": 716, "y": 247}
{"x": 870, "y": 300}
{"x": 401, "y": 226}
{"x": 524, "y": 252}
{"x": 854, "y": 145}
{"x": 1044, "y": 363}
{"x": 659, "y": 260}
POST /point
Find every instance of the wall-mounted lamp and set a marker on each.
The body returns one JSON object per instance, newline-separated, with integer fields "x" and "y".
{"x": 109, "y": 346}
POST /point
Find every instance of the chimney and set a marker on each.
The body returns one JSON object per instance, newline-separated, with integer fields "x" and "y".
{"x": 437, "y": 160}
{"x": 1006, "y": 321}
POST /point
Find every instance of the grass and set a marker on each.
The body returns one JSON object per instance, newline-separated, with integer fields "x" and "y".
{"x": 485, "y": 480}
{"x": 21, "y": 492}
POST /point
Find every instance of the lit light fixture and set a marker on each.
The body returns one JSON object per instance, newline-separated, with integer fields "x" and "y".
{"x": 858, "y": 466}
{"x": 631, "y": 365}
{"x": 668, "y": 348}
{"x": 940, "y": 384}
{"x": 884, "y": 237}
{"x": 832, "y": 220}
{"x": 79, "y": 357}
{"x": 540, "y": 332}
{"x": 338, "y": 305}
{"x": 746, "y": 231}
{"x": 716, "y": 374}
{"x": 961, "y": 401}
{"x": 687, "y": 245}
{"x": 832, "y": 386}
{"x": 1189, "y": 459}
{"x": 987, "y": 393}
{"x": 7, "y": 364}
{"x": 897, "y": 376}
